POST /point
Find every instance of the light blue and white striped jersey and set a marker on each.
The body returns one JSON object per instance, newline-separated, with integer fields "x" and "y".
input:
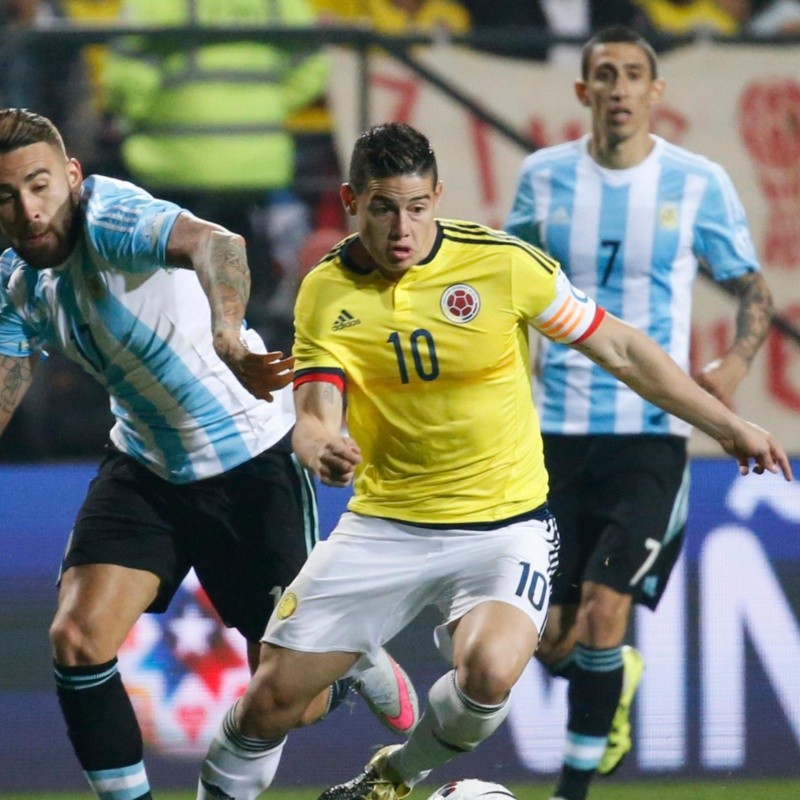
{"x": 143, "y": 330}
{"x": 631, "y": 239}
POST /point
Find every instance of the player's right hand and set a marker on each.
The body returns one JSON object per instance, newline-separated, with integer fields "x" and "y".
{"x": 338, "y": 461}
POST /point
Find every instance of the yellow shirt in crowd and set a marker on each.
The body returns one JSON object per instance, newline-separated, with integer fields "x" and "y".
{"x": 392, "y": 18}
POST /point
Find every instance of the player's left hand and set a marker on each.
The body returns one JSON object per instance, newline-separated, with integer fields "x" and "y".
{"x": 722, "y": 377}
{"x": 259, "y": 373}
{"x": 263, "y": 374}
{"x": 753, "y": 444}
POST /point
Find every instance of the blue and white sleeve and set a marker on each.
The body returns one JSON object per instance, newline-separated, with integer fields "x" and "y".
{"x": 13, "y": 336}
{"x": 722, "y": 236}
{"x": 127, "y": 226}
{"x": 522, "y": 218}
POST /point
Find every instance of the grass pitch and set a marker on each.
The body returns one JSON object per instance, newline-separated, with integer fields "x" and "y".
{"x": 774, "y": 789}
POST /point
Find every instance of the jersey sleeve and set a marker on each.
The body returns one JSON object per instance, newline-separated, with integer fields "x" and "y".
{"x": 722, "y": 236}
{"x": 127, "y": 226}
{"x": 521, "y": 220}
{"x": 571, "y": 316}
{"x": 313, "y": 360}
{"x": 14, "y": 339}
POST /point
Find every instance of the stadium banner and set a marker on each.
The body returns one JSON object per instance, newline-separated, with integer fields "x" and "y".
{"x": 738, "y": 105}
{"x": 720, "y": 696}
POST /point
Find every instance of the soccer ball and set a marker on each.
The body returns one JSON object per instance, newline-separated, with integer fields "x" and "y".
{"x": 472, "y": 789}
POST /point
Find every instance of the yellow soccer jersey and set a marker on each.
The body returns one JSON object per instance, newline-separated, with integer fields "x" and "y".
{"x": 436, "y": 370}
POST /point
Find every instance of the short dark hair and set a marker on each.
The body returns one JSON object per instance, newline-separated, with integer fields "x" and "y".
{"x": 618, "y": 34}
{"x": 20, "y": 128}
{"x": 385, "y": 151}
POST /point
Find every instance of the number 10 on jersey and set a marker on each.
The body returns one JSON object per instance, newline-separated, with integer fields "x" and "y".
{"x": 423, "y": 354}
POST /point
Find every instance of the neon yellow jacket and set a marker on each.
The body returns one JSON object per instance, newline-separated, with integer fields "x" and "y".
{"x": 214, "y": 116}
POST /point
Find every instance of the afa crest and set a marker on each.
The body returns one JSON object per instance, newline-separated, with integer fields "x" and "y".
{"x": 460, "y": 303}
{"x": 668, "y": 216}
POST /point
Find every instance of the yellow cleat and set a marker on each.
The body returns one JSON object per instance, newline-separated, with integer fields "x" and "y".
{"x": 375, "y": 783}
{"x": 619, "y": 737}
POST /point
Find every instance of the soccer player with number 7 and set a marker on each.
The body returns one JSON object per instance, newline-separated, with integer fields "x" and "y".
{"x": 629, "y": 216}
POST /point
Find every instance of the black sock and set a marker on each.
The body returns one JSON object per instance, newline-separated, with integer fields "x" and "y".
{"x": 594, "y": 690}
{"x": 338, "y": 691}
{"x": 103, "y": 728}
{"x": 562, "y": 669}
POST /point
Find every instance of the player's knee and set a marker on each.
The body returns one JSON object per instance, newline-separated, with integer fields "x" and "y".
{"x": 72, "y": 645}
{"x": 487, "y": 680}
{"x": 271, "y": 709}
{"x": 269, "y": 696}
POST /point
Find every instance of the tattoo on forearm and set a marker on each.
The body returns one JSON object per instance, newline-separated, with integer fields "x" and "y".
{"x": 15, "y": 376}
{"x": 229, "y": 287}
{"x": 754, "y": 314}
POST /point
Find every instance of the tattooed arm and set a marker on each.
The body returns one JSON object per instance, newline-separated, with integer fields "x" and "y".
{"x": 218, "y": 257}
{"x": 723, "y": 376}
{"x": 15, "y": 378}
{"x": 317, "y": 438}
{"x": 220, "y": 261}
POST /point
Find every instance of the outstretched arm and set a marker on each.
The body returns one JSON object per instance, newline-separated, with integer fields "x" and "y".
{"x": 639, "y": 362}
{"x": 15, "y": 378}
{"x": 220, "y": 261}
{"x": 317, "y": 439}
{"x": 723, "y": 376}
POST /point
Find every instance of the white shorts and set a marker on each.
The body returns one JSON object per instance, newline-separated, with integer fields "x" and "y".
{"x": 372, "y": 576}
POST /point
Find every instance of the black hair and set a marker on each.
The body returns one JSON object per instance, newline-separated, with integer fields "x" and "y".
{"x": 618, "y": 34}
{"x": 385, "y": 151}
{"x": 20, "y": 128}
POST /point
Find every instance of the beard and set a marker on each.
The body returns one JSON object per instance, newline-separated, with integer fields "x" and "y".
{"x": 61, "y": 233}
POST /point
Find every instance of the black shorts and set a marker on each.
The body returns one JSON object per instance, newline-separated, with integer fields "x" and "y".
{"x": 620, "y": 503}
{"x": 246, "y": 532}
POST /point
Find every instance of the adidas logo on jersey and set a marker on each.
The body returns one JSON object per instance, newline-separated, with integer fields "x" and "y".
{"x": 345, "y": 320}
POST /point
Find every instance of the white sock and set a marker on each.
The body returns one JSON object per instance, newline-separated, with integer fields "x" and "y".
{"x": 451, "y": 724}
{"x": 238, "y": 766}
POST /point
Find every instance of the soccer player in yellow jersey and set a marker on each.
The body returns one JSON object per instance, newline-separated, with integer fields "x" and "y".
{"x": 422, "y": 324}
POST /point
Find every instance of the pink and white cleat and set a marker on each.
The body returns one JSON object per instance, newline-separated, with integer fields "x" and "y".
{"x": 389, "y": 693}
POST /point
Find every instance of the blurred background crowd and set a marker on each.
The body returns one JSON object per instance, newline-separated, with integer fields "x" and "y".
{"x": 143, "y": 108}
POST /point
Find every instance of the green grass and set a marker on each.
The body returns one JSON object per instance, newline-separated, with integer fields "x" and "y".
{"x": 602, "y": 790}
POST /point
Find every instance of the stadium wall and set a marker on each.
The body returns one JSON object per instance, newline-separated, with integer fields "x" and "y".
{"x": 721, "y": 694}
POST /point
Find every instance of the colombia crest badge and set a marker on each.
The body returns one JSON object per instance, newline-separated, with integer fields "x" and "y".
{"x": 460, "y": 303}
